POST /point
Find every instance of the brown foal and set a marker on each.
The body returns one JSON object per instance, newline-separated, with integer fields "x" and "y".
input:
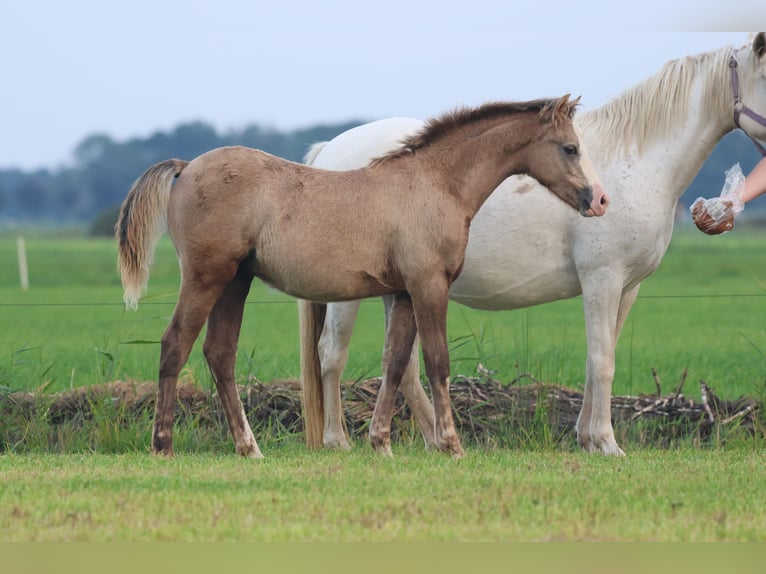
{"x": 397, "y": 227}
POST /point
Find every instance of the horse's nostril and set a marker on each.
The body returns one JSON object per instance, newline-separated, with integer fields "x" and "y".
{"x": 604, "y": 200}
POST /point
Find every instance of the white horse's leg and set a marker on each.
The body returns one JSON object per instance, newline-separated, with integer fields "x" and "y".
{"x": 412, "y": 388}
{"x": 602, "y": 299}
{"x": 333, "y": 355}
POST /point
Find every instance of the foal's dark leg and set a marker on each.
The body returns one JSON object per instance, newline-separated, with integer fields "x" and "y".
{"x": 412, "y": 388}
{"x": 220, "y": 350}
{"x": 192, "y": 309}
{"x": 400, "y": 337}
{"x": 430, "y": 307}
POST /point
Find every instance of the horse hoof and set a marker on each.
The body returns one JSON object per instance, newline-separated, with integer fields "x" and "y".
{"x": 381, "y": 441}
{"x": 384, "y": 450}
{"x": 607, "y": 448}
{"x": 166, "y": 452}
{"x": 613, "y": 450}
{"x": 457, "y": 454}
{"x": 337, "y": 444}
{"x": 251, "y": 451}
{"x": 255, "y": 454}
{"x": 453, "y": 448}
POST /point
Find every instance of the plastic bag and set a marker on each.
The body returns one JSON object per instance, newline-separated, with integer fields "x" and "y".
{"x": 716, "y": 215}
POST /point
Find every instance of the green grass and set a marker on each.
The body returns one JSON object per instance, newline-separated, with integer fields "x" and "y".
{"x": 95, "y": 481}
{"x": 701, "y": 311}
{"x": 295, "y": 495}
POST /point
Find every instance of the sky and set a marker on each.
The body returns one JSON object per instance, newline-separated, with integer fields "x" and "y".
{"x": 78, "y": 68}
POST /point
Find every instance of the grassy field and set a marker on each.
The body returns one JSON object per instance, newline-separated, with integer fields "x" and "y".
{"x": 701, "y": 311}
{"x": 295, "y": 495}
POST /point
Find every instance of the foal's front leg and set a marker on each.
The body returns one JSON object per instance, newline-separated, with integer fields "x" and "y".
{"x": 400, "y": 336}
{"x": 220, "y": 351}
{"x": 430, "y": 306}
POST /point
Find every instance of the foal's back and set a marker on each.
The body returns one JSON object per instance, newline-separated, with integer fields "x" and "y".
{"x": 317, "y": 234}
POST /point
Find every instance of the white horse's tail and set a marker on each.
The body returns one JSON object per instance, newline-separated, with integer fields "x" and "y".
{"x": 311, "y": 319}
{"x": 142, "y": 220}
{"x": 313, "y": 152}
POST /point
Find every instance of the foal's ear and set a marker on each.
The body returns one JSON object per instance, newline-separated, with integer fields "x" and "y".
{"x": 759, "y": 44}
{"x": 564, "y": 107}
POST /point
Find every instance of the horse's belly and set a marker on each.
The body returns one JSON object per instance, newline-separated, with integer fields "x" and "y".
{"x": 515, "y": 256}
{"x": 513, "y": 290}
{"x": 316, "y": 279}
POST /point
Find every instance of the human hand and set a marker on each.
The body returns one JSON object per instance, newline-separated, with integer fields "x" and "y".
{"x": 713, "y": 216}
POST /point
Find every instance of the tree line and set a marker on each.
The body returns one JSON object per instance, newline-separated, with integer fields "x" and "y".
{"x": 92, "y": 188}
{"x": 104, "y": 169}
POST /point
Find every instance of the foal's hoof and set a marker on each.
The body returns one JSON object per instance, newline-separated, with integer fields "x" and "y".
{"x": 384, "y": 450}
{"x": 166, "y": 452}
{"x": 457, "y": 452}
{"x": 452, "y": 447}
{"x": 254, "y": 455}
{"x": 380, "y": 441}
{"x": 162, "y": 442}
{"x": 250, "y": 451}
{"x": 381, "y": 445}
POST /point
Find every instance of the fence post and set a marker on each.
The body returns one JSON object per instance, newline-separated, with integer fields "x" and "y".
{"x": 23, "y": 272}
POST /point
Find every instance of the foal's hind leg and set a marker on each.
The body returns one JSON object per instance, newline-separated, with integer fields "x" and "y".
{"x": 195, "y": 299}
{"x": 220, "y": 349}
{"x": 400, "y": 337}
{"x": 412, "y": 389}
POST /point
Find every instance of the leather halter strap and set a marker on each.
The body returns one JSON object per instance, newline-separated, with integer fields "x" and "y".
{"x": 740, "y": 107}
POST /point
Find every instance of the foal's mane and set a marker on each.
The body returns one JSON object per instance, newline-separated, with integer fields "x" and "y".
{"x": 438, "y": 127}
{"x": 658, "y": 106}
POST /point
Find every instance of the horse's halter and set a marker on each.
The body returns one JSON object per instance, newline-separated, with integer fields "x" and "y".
{"x": 741, "y": 108}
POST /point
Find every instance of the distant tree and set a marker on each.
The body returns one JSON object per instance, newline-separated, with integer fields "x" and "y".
{"x": 67, "y": 201}
{"x": 92, "y": 149}
{"x": 32, "y": 195}
{"x": 104, "y": 222}
{"x": 193, "y": 139}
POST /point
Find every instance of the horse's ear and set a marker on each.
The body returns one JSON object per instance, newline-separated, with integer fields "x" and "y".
{"x": 573, "y": 106}
{"x": 565, "y": 108}
{"x": 560, "y": 109}
{"x": 759, "y": 44}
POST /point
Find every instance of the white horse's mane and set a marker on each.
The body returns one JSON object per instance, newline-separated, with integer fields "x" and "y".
{"x": 658, "y": 106}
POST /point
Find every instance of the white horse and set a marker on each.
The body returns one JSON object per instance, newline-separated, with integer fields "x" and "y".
{"x": 647, "y": 145}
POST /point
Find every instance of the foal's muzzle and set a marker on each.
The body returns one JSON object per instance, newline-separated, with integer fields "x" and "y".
{"x": 585, "y": 196}
{"x": 593, "y": 201}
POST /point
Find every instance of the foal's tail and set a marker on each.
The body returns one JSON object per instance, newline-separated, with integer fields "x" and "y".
{"x": 311, "y": 317}
{"x": 142, "y": 220}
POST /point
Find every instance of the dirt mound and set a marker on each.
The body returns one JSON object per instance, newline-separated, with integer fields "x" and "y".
{"x": 486, "y": 411}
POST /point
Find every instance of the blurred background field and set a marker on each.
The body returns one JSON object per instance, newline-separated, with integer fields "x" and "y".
{"x": 701, "y": 311}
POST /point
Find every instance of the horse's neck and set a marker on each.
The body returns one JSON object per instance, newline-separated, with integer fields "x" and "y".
{"x": 657, "y": 135}
{"x": 473, "y": 162}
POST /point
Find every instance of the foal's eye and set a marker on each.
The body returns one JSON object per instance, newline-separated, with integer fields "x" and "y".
{"x": 570, "y": 149}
